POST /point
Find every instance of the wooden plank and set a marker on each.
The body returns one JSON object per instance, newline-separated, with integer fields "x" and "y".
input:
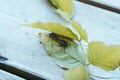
{"x": 21, "y": 44}
{"x": 19, "y": 71}
{"x": 100, "y": 22}
{"x": 112, "y": 3}
{"x": 8, "y": 76}
{"x": 102, "y": 5}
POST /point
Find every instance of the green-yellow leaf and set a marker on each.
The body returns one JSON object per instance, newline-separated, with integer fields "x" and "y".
{"x": 56, "y": 28}
{"x": 79, "y": 73}
{"x": 64, "y": 15}
{"x": 106, "y": 57}
{"x": 64, "y": 5}
{"x": 80, "y": 30}
{"x": 69, "y": 57}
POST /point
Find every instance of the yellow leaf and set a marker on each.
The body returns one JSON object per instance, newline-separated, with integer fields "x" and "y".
{"x": 64, "y": 5}
{"x": 56, "y": 28}
{"x": 79, "y": 73}
{"x": 68, "y": 57}
{"x": 106, "y": 57}
{"x": 80, "y": 30}
{"x": 63, "y": 14}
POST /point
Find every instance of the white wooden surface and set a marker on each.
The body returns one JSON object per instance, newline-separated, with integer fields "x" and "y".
{"x": 7, "y": 76}
{"x": 21, "y": 44}
{"x": 112, "y": 3}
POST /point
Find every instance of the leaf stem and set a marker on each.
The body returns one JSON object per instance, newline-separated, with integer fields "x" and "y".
{"x": 77, "y": 59}
{"x": 84, "y": 58}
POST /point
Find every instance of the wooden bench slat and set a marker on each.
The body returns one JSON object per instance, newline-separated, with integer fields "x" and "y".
{"x": 112, "y": 3}
{"x": 103, "y": 4}
{"x": 21, "y": 44}
{"x": 15, "y": 68}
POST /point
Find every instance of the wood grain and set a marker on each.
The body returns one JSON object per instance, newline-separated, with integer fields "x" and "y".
{"x": 21, "y": 46}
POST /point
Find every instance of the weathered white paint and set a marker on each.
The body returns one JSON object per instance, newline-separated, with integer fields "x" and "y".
{"x": 112, "y": 3}
{"x": 7, "y": 76}
{"x": 21, "y": 44}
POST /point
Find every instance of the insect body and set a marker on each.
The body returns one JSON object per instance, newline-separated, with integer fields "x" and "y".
{"x": 63, "y": 43}
{"x": 56, "y": 38}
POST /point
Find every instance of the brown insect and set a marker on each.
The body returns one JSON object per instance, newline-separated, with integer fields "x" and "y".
{"x": 56, "y": 38}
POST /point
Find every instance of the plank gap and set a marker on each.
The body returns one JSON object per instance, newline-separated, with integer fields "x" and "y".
{"x": 101, "y": 6}
{"x": 18, "y": 72}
